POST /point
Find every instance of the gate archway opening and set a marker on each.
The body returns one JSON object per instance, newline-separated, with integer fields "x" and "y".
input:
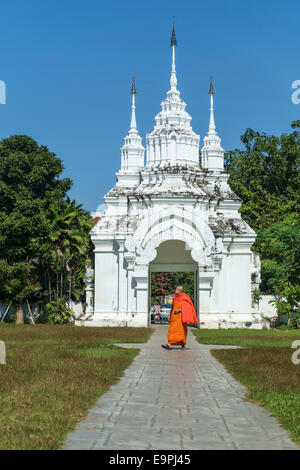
{"x": 173, "y": 265}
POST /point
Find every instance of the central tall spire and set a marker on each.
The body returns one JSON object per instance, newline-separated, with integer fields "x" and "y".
{"x": 173, "y": 141}
{"x": 173, "y": 80}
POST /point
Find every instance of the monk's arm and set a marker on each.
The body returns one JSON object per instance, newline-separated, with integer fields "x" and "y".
{"x": 175, "y": 313}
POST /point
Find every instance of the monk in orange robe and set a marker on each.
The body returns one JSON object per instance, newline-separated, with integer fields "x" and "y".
{"x": 182, "y": 313}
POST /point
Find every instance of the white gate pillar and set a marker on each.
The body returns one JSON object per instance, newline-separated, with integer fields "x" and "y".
{"x": 205, "y": 287}
{"x": 106, "y": 282}
{"x": 141, "y": 291}
{"x": 122, "y": 284}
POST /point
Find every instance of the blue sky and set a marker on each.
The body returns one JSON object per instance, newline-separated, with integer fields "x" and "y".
{"x": 68, "y": 64}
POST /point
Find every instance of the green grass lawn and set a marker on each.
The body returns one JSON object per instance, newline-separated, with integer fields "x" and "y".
{"x": 53, "y": 376}
{"x": 248, "y": 338}
{"x": 264, "y": 366}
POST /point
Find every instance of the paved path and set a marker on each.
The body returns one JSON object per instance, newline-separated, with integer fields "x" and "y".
{"x": 177, "y": 400}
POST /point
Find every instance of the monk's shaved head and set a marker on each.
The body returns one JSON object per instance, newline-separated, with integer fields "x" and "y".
{"x": 179, "y": 290}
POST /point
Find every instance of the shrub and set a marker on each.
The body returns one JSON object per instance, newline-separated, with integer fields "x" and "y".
{"x": 57, "y": 312}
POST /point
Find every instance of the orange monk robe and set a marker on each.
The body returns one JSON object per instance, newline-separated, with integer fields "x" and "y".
{"x": 187, "y": 307}
{"x": 178, "y": 328}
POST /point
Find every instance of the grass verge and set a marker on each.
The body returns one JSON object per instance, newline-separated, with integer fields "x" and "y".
{"x": 53, "y": 376}
{"x": 265, "y": 367}
{"x": 248, "y": 338}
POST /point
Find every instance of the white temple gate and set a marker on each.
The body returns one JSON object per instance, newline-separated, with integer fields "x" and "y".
{"x": 173, "y": 196}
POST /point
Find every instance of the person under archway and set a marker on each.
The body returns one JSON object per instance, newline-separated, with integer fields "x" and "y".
{"x": 182, "y": 313}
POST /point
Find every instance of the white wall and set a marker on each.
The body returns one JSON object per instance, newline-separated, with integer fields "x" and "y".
{"x": 267, "y": 310}
{"x": 106, "y": 280}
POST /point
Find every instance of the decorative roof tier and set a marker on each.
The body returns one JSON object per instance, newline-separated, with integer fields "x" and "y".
{"x": 172, "y": 141}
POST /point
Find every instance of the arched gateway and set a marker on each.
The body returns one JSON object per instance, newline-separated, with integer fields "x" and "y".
{"x": 172, "y": 198}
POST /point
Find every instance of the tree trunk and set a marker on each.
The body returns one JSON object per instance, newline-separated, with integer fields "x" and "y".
{"x": 70, "y": 291}
{"x": 19, "y": 315}
{"x": 49, "y": 286}
{"x": 5, "y": 313}
{"x": 30, "y": 313}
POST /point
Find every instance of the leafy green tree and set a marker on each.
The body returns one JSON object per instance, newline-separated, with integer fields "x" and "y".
{"x": 18, "y": 282}
{"x": 29, "y": 181}
{"x": 187, "y": 280}
{"x": 265, "y": 175}
{"x": 164, "y": 283}
{"x": 280, "y": 245}
{"x": 57, "y": 313}
{"x": 44, "y": 237}
{"x": 64, "y": 251}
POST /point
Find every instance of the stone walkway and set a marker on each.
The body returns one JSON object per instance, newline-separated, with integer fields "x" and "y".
{"x": 177, "y": 400}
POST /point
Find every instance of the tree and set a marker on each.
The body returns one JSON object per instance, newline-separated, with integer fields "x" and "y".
{"x": 64, "y": 251}
{"x": 164, "y": 283}
{"x": 280, "y": 245}
{"x": 44, "y": 241}
{"x": 17, "y": 282}
{"x": 266, "y": 177}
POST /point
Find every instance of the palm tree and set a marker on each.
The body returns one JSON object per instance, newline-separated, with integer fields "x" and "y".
{"x": 65, "y": 251}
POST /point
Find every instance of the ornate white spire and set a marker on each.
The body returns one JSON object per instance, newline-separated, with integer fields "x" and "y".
{"x": 173, "y": 79}
{"x": 212, "y": 126}
{"x": 132, "y": 152}
{"x": 212, "y": 152}
{"x": 133, "y": 118}
{"x": 173, "y": 141}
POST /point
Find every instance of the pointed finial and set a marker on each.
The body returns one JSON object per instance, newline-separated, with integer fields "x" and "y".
{"x": 173, "y": 38}
{"x": 133, "y": 89}
{"x": 211, "y": 88}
